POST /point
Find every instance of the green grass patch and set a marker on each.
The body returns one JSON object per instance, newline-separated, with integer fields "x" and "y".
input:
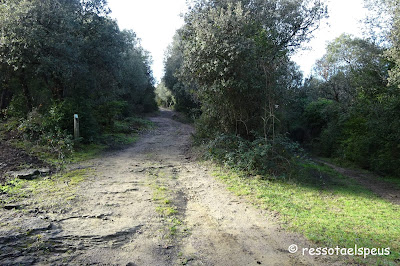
{"x": 87, "y": 152}
{"x": 163, "y": 197}
{"x": 329, "y": 209}
{"x": 166, "y": 210}
{"x": 118, "y": 139}
{"x": 46, "y": 190}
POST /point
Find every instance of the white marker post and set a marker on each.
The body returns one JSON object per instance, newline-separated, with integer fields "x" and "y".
{"x": 76, "y": 127}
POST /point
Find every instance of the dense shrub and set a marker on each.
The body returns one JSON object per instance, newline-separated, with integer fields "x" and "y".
{"x": 260, "y": 156}
{"x": 365, "y": 134}
{"x": 44, "y": 130}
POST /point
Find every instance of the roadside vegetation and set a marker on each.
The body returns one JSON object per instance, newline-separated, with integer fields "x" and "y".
{"x": 58, "y": 152}
{"x": 229, "y": 67}
{"x": 60, "y": 58}
{"x": 242, "y": 85}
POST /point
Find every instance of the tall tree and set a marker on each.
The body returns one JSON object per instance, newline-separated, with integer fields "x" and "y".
{"x": 185, "y": 100}
{"x": 352, "y": 110}
{"x": 40, "y": 40}
{"x": 351, "y": 67}
{"x": 394, "y": 52}
{"x": 234, "y": 50}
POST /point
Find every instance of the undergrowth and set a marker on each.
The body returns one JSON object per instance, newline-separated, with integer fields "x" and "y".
{"x": 56, "y": 147}
{"x": 259, "y": 156}
{"x": 329, "y": 209}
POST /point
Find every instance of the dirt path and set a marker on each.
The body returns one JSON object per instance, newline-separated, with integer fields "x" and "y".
{"x": 383, "y": 189}
{"x": 150, "y": 205}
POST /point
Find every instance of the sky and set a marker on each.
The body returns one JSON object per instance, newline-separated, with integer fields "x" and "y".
{"x": 155, "y": 23}
{"x": 345, "y": 16}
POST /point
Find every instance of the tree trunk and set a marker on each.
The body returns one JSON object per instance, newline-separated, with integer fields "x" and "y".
{"x": 25, "y": 90}
{"x": 58, "y": 89}
{"x": 5, "y": 99}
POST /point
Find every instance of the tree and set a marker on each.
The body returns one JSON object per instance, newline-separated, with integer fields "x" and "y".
{"x": 164, "y": 96}
{"x": 379, "y": 21}
{"x": 235, "y": 50}
{"x": 350, "y": 68}
{"x": 40, "y": 40}
{"x": 184, "y": 98}
{"x": 69, "y": 56}
{"x": 394, "y": 52}
{"x": 351, "y": 109}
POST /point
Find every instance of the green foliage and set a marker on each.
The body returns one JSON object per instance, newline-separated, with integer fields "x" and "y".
{"x": 45, "y": 131}
{"x": 350, "y": 109}
{"x": 184, "y": 99}
{"x": 164, "y": 96}
{"x": 122, "y": 133}
{"x": 393, "y": 53}
{"x": 259, "y": 156}
{"x": 230, "y": 64}
{"x": 60, "y": 58}
{"x": 356, "y": 144}
{"x": 16, "y": 108}
{"x": 236, "y": 57}
{"x": 108, "y": 112}
{"x": 318, "y": 114}
{"x": 322, "y": 121}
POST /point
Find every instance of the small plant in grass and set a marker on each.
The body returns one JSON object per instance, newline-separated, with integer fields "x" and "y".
{"x": 166, "y": 210}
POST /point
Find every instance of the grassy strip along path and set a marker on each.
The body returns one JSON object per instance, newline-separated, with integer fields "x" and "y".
{"x": 329, "y": 209}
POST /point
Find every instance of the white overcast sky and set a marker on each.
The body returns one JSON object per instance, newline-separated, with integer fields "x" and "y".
{"x": 155, "y": 23}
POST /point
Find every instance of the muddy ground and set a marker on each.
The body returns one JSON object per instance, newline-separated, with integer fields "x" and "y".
{"x": 14, "y": 159}
{"x": 149, "y": 204}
